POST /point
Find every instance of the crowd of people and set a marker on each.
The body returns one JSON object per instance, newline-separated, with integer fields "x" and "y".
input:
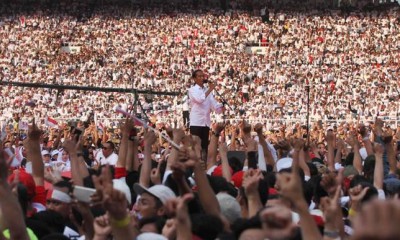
{"x": 72, "y": 167}
{"x": 349, "y": 60}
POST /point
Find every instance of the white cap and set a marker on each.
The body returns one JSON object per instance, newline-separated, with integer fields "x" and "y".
{"x": 151, "y": 236}
{"x": 45, "y": 152}
{"x": 54, "y": 152}
{"x": 283, "y": 163}
{"x": 163, "y": 193}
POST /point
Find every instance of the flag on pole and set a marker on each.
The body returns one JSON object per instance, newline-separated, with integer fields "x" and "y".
{"x": 22, "y": 21}
{"x": 51, "y": 122}
{"x": 137, "y": 121}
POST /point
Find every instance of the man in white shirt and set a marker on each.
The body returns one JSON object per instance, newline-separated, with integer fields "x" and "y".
{"x": 107, "y": 155}
{"x": 202, "y": 102}
{"x": 185, "y": 110}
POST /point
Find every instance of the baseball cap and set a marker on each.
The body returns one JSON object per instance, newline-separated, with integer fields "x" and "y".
{"x": 237, "y": 178}
{"x": 230, "y": 208}
{"x": 163, "y": 193}
{"x": 45, "y": 152}
{"x": 54, "y": 152}
{"x": 151, "y": 236}
{"x": 26, "y": 179}
{"x": 284, "y": 163}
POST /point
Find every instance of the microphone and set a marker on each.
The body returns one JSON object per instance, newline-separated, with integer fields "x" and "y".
{"x": 205, "y": 81}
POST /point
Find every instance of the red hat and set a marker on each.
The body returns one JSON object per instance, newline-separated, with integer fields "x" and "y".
{"x": 26, "y": 179}
{"x": 318, "y": 220}
{"x": 218, "y": 171}
{"x": 237, "y": 179}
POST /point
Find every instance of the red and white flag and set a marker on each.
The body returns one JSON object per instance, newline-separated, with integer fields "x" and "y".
{"x": 51, "y": 122}
{"x": 22, "y": 21}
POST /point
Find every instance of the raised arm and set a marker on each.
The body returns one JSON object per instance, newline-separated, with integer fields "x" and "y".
{"x": 223, "y": 153}
{"x": 250, "y": 184}
{"x": 32, "y": 145}
{"x": 391, "y": 154}
{"x": 267, "y": 153}
{"x": 11, "y": 217}
{"x": 366, "y": 139}
{"x": 290, "y": 187}
{"x": 213, "y": 146}
{"x": 126, "y": 129}
{"x": 330, "y": 139}
{"x": 206, "y": 194}
{"x": 79, "y": 170}
{"x": 378, "y": 171}
{"x": 149, "y": 139}
{"x": 115, "y": 203}
{"x": 352, "y": 141}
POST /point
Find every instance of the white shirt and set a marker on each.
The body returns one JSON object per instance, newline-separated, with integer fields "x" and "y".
{"x": 110, "y": 160}
{"x": 185, "y": 103}
{"x": 201, "y": 106}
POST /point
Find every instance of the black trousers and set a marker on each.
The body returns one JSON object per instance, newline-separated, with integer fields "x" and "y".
{"x": 203, "y": 134}
{"x": 185, "y": 115}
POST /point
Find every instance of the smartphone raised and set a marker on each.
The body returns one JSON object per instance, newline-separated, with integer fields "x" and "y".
{"x": 83, "y": 194}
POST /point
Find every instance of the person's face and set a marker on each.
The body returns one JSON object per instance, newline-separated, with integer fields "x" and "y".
{"x": 58, "y": 206}
{"x": 107, "y": 150}
{"x": 147, "y": 206}
{"x": 199, "y": 78}
{"x": 65, "y": 156}
{"x": 46, "y": 158}
{"x": 321, "y": 149}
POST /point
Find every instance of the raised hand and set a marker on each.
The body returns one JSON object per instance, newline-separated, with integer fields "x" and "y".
{"x": 102, "y": 227}
{"x": 251, "y": 180}
{"x": 34, "y": 133}
{"x": 219, "y": 127}
{"x": 258, "y": 128}
{"x": 155, "y": 175}
{"x": 330, "y": 138}
{"x": 277, "y": 222}
{"x": 178, "y": 135}
{"x": 128, "y": 126}
{"x": 379, "y": 149}
{"x": 378, "y": 220}
{"x": 331, "y": 181}
{"x": 331, "y": 209}
{"x": 169, "y": 229}
{"x": 351, "y": 140}
{"x": 113, "y": 201}
{"x": 363, "y": 131}
{"x": 290, "y": 184}
{"x": 246, "y": 128}
{"x": 298, "y": 144}
{"x": 150, "y": 138}
{"x": 357, "y": 193}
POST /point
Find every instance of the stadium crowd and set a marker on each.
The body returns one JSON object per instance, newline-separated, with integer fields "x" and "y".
{"x": 100, "y": 178}
{"x": 346, "y": 58}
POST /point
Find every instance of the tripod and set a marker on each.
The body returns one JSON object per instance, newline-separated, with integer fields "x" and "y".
{"x": 224, "y": 103}
{"x": 137, "y": 103}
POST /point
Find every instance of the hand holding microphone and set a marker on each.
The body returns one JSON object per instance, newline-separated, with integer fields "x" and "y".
{"x": 211, "y": 85}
